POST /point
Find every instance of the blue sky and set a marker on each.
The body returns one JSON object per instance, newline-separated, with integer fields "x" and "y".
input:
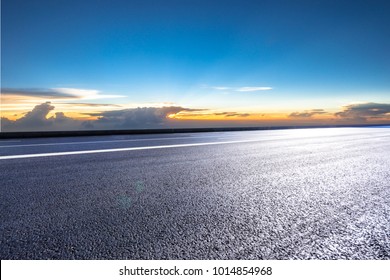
{"x": 198, "y": 54}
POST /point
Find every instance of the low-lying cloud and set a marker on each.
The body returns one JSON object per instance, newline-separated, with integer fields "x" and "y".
{"x": 40, "y": 118}
{"x": 307, "y": 113}
{"x": 136, "y": 118}
{"x": 37, "y": 120}
{"x": 365, "y": 111}
{"x": 232, "y": 114}
{"x": 353, "y": 113}
{"x": 147, "y": 117}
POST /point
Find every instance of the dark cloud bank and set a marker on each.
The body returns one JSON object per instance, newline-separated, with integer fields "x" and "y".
{"x": 48, "y": 93}
{"x": 152, "y": 118}
{"x": 366, "y": 111}
{"x": 137, "y": 118}
{"x": 307, "y": 114}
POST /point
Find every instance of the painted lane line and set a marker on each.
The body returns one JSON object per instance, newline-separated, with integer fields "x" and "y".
{"x": 108, "y": 141}
{"x": 123, "y": 141}
{"x": 124, "y": 149}
{"x": 159, "y": 147}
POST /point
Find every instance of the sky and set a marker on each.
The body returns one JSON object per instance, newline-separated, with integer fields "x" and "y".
{"x": 117, "y": 64}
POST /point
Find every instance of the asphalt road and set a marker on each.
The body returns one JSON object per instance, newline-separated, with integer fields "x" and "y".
{"x": 286, "y": 194}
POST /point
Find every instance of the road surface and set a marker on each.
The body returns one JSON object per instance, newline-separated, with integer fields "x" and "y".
{"x": 283, "y": 194}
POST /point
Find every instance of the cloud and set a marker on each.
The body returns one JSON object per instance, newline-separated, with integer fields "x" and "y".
{"x": 85, "y": 94}
{"x": 244, "y": 89}
{"x": 365, "y": 112}
{"x": 46, "y": 93}
{"x": 307, "y": 113}
{"x": 241, "y": 89}
{"x": 136, "y": 118}
{"x": 5, "y": 124}
{"x": 232, "y": 114}
{"x": 38, "y": 115}
{"x": 89, "y": 104}
{"x": 147, "y": 117}
{"x": 59, "y": 93}
{"x": 238, "y": 115}
{"x": 41, "y": 118}
{"x": 37, "y": 120}
{"x": 221, "y": 88}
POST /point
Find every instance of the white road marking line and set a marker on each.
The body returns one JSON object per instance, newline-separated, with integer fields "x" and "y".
{"x": 125, "y": 149}
{"x": 163, "y": 146}
{"x": 108, "y": 141}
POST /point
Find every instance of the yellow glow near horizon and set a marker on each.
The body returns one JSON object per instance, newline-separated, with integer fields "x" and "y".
{"x": 171, "y": 116}
{"x": 14, "y": 107}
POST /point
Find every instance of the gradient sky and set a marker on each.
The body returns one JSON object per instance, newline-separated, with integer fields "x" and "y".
{"x": 242, "y": 62}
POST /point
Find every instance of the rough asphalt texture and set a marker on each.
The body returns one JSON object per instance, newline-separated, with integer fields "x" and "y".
{"x": 310, "y": 194}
